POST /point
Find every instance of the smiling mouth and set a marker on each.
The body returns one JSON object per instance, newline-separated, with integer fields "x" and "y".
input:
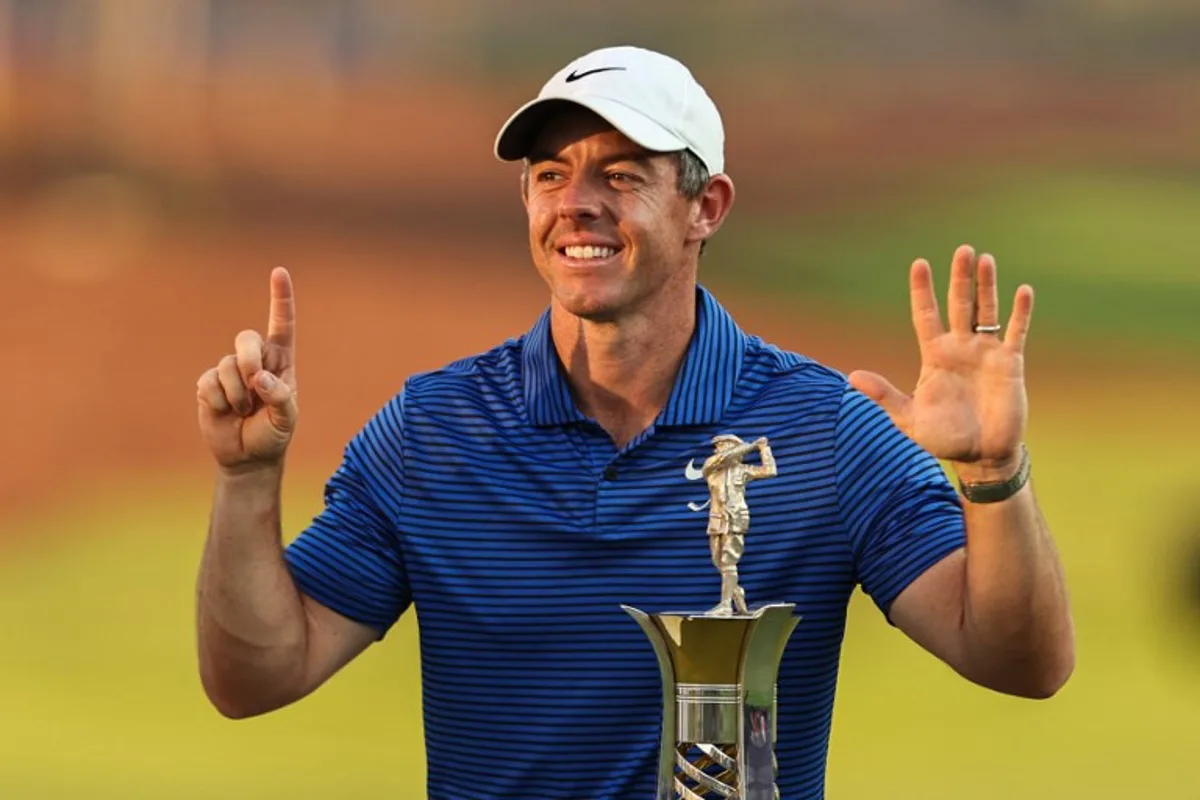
{"x": 588, "y": 252}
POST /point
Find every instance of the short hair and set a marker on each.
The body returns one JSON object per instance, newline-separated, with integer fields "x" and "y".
{"x": 691, "y": 176}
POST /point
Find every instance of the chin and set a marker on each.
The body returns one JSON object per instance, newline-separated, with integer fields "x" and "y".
{"x": 592, "y": 309}
{"x": 591, "y": 305}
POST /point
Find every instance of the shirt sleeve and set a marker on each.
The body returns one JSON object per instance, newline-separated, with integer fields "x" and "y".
{"x": 350, "y": 558}
{"x": 900, "y": 510}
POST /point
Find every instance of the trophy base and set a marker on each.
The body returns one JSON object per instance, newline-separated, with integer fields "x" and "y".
{"x": 719, "y": 673}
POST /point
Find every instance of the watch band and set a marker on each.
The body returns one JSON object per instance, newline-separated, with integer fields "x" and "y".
{"x": 996, "y": 491}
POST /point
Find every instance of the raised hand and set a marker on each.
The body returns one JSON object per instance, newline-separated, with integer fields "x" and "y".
{"x": 247, "y": 403}
{"x": 969, "y": 406}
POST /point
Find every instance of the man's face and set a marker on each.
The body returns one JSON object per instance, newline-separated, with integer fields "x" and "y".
{"x": 608, "y": 227}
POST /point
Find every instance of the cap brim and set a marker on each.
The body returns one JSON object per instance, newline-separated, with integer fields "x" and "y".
{"x": 518, "y": 134}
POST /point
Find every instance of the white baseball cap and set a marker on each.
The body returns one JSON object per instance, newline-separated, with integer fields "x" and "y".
{"x": 651, "y": 98}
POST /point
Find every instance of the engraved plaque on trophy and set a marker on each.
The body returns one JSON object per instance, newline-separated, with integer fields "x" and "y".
{"x": 719, "y": 666}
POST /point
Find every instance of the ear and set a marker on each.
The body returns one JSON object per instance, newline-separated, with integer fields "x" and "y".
{"x": 711, "y": 208}
{"x": 525, "y": 183}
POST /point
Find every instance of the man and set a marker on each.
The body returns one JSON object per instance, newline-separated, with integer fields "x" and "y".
{"x": 729, "y": 515}
{"x": 520, "y": 496}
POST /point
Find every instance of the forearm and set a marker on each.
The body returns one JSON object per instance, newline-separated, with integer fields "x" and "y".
{"x": 1016, "y": 628}
{"x": 251, "y": 623}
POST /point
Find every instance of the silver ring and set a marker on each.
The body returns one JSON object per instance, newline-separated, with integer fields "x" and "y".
{"x": 987, "y": 328}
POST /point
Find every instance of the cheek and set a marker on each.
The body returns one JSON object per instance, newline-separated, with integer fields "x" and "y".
{"x": 541, "y": 217}
{"x": 656, "y": 225}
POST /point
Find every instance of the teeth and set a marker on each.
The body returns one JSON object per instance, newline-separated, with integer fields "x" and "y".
{"x": 588, "y": 251}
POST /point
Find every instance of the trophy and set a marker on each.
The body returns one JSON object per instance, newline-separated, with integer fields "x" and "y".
{"x": 719, "y": 666}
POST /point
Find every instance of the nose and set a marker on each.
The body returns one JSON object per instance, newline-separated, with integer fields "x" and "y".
{"x": 580, "y": 200}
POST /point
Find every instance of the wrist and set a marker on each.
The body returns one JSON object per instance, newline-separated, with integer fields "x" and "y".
{"x": 993, "y": 482}
{"x": 992, "y": 470}
{"x": 249, "y": 496}
{"x": 251, "y": 475}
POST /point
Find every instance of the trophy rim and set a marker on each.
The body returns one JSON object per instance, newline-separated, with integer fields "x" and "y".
{"x": 755, "y": 613}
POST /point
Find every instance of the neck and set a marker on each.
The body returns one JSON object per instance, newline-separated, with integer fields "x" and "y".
{"x": 621, "y": 372}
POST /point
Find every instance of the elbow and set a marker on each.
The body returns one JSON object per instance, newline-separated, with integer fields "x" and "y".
{"x": 1031, "y": 674}
{"x": 234, "y": 705}
{"x": 1048, "y": 674}
{"x": 230, "y": 709}
{"x": 228, "y": 702}
{"x": 235, "y": 697}
{"x": 1055, "y": 674}
{"x": 1060, "y": 665}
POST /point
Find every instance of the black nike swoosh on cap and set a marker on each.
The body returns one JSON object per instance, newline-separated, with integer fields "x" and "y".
{"x": 574, "y": 76}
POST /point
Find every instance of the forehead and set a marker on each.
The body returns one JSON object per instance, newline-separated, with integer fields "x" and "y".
{"x": 572, "y": 126}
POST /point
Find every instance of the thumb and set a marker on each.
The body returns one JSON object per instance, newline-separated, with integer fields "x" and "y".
{"x": 280, "y": 400}
{"x": 895, "y": 402}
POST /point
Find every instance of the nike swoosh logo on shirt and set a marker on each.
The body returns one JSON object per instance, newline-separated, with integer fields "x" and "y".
{"x": 691, "y": 472}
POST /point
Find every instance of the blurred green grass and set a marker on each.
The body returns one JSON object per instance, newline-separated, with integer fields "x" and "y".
{"x": 1114, "y": 255}
{"x": 100, "y": 698}
{"x": 99, "y": 695}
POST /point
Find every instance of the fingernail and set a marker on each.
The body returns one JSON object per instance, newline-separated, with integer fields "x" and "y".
{"x": 267, "y": 381}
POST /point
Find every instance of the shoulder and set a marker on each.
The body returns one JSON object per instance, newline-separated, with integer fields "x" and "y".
{"x": 774, "y": 372}
{"x": 482, "y": 384}
{"x": 781, "y": 365}
{"x": 469, "y": 374}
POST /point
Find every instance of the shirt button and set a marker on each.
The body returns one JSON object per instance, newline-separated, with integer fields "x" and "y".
{"x": 610, "y": 474}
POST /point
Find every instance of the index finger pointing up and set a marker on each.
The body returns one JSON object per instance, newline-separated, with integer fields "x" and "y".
{"x": 281, "y": 327}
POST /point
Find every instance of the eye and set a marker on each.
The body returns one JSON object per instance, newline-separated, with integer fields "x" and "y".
{"x": 547, "y": 176}
{"x": 620, "y": 178}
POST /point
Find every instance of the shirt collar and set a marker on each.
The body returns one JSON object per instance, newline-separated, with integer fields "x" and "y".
{"x": 547, "y": 397}
{"x": 704, "y": 386}
{"x": 702, "y": 391}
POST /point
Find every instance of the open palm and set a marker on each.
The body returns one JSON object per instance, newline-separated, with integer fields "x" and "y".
{"x": 969, "y": 405}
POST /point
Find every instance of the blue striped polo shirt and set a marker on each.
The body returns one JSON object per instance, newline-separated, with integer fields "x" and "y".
{"x": 482, "y": 496}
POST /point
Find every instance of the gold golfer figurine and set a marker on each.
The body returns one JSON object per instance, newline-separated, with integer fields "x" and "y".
{"x": 728, "y": 514}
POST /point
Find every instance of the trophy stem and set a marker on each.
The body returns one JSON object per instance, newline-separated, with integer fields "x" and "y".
{"x": 719, "y": 701}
